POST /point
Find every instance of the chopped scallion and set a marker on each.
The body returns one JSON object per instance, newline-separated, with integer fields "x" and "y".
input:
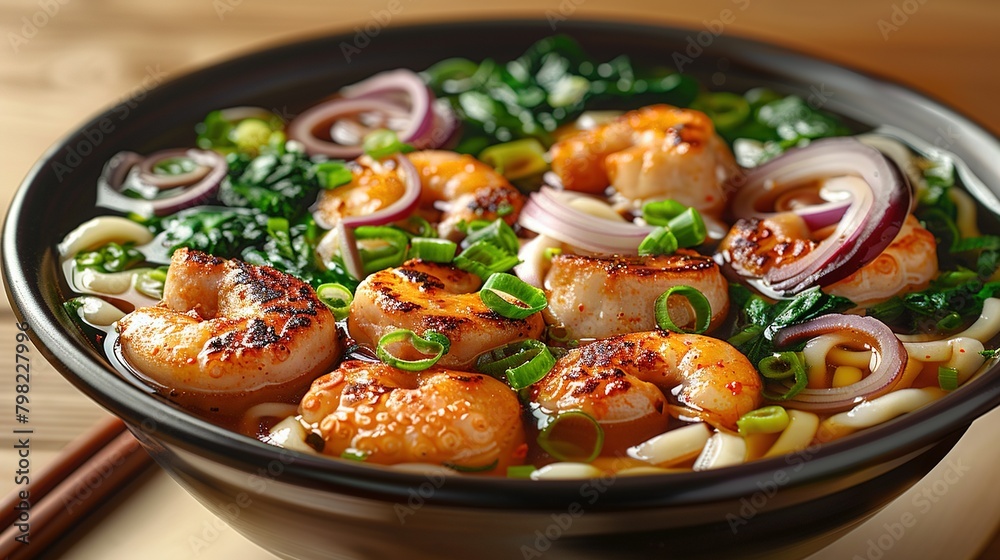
{"x": 422, "y": 345}
{"x": 485, "y": 259}
{"x": 766, "y": 420}
{"x": 660, "y": 241}
{"x": 517, "y": 159}
{"x": 783, "y": 366}
{"x": 699, "y": 304}
{"x": 520, "y": 471}
{"x": 688, "y": 228}
{"x": 948, "y": 378}
{"x": 337, "y": 297}
{"x": 532, "y": 299}
{"x": 333, "y": 174}
{"x": 573, "y": 435}
{"x": 660, "y": 212}
{"x": 432, "y": 249}
{"x": 383, "y": 143}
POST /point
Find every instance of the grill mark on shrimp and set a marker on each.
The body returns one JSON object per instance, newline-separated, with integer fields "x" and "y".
{"x": 421, "y": 296}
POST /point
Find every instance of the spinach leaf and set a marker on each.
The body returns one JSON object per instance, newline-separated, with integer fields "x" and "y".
{"x": 223, "y": 232}
{"x": 278, "y": 184}
{"x": 759, "y": 320}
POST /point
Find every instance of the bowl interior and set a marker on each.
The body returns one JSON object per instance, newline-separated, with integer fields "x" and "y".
{"x": 287, "y": 79}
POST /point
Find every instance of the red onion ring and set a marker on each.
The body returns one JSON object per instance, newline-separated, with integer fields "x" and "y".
{"x": 892, "y": 360}
{"x": 398, "y": 210}
{"x": 126, "y": 167}
{"x": 548, "y": 213}
{"x": 392, "y": 81}
{"x": 870, "y": 223}
{"x": 816, "y": 216}
{"x": 148, "y": 176}
{"x": 428, "y": 124}
{"x": 307, "y": 126}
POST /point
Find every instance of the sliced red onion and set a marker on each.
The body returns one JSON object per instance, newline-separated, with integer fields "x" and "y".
{"x": 396, "y": 211}
{"x": 426, "y": 124}
{"x": 126, "y": 169}
{"x": 392, "y": 81}
{"x": 878, "y": 206}
{"x": 312, "y": 127}
{"x": 889, "y": 368}
{"x": 148, "y": 176}
{"x": 745, "y": 203}
{"x": 548, "y": 213}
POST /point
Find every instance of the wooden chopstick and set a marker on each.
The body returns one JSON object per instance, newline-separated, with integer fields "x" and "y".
{"x": 91, "y": 470}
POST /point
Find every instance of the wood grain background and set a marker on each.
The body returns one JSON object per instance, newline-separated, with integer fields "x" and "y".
{"x": 61, "y": 61}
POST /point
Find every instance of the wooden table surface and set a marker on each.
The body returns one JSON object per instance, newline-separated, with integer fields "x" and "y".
{"x": 64, "y": 60}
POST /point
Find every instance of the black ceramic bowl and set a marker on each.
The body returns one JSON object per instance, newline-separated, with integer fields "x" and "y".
{"x": 302, "y": 506}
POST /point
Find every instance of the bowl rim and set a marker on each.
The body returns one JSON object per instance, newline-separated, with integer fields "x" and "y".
{"x": 83, "y": 366}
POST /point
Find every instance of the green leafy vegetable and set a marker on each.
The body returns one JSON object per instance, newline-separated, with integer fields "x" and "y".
{"x": 280, "y": 185}
{"x": 769, "y": 319}
{"x": 550, "y": 84}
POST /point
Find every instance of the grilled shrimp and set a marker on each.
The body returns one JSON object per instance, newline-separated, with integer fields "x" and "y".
{"x": 466, "y": 187}
{"x": 432, "y": 416}
{"x": 622, "y": 382}
{"x": 909, "y": 263}
{"x": 422, "y": 296}
{"x": 598, "y": 297}
{"x": 654, "y": 152}
{"x": 375, "y": 185}
{"x": 229, "y": 329}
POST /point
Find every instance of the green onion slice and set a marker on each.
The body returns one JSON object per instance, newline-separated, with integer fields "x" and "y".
{"x": 383, "y": 143}
{"x": 523, "y": 363}
{"x": 422, "y": 345}
{"x": 517, "y": 159}
{"x": 697, "y": 300}
{"x": 485, "y": 259}
{"x": 766, "y": 420}
{"x": 785, "y": 365}
{"x": 391, "y": 252}
{"x": 532, "y": 298}
{"x": 432, "y": 249}
{"x": 727, "y": 110}
{"x": 520, "y": 471}
{"x": 660, "y": 241}
{"x": 496, "y": 232}
{"x": 689, "y": 228}
{"x": 332, "y": 174}
{"x": 354, "y": 455}
{"x": 948, "y": 378}
{"x": 660, "y": 212}
{"x": 573, "y": 435}
{"x": 337, "y": 297}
